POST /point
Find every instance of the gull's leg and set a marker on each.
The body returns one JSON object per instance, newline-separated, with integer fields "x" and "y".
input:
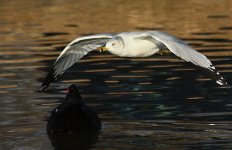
{"x": 163, "y": 52}
{"x": 101, "y": 49}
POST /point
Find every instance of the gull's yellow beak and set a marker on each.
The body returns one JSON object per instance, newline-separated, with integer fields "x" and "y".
{"x": 102, "y": 49}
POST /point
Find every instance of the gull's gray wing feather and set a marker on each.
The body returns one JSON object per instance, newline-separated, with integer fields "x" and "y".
{"x": 184, "y": 51}
{"x": 77, "y": 49}
{"x": 72, "y": 53}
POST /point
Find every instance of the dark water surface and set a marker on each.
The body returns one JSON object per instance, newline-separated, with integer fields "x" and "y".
{"x": 151, "y": 103}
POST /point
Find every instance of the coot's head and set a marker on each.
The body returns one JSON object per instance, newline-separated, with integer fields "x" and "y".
{"x": 73, "y": 93}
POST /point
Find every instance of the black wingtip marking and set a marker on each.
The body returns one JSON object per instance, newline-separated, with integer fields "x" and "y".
{"x": 222, "y": 82}
{"x": 49, "y": 78}
{"x": 214, "y": 74}
{"x": 43, "y": 88}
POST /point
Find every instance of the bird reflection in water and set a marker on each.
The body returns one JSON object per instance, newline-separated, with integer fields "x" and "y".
{"x": 73, "y": 125}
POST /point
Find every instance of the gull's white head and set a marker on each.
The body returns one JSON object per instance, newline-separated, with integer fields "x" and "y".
{"x": 115, "y": 43}
{"x": 115, "y": 46}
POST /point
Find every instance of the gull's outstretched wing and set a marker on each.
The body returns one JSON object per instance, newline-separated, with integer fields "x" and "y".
{"x": 184, "y": 51}
{"x": 72, "y": 53}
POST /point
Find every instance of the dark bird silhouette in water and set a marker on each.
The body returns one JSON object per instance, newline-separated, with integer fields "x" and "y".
{"x": 73, "y": 125}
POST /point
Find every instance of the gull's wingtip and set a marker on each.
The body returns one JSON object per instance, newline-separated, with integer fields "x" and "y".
{"x": 214, "y": 75}
{"x": 220, "y": 80}
{"x": 223, "y": 83}
{"x": 43, "y": 88}
{"x": 49, "y": 78}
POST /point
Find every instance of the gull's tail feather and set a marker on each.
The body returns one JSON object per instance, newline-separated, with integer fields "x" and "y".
{"x": 49, "y": 78}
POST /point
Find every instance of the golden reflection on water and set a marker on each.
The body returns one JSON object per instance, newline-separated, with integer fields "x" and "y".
{"x": 112, "y": 16}
{"x": 131, "y": 90}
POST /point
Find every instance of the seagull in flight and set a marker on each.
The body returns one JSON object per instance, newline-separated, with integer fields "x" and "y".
{"x": 130, "y": 44}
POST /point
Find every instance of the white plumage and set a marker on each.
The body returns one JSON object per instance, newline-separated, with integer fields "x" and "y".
{"x": 130, "y": 44}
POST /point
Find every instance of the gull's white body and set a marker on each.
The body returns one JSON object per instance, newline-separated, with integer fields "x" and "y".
{"x": 130, "y": 44}
{"x": 134, "y": 47}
